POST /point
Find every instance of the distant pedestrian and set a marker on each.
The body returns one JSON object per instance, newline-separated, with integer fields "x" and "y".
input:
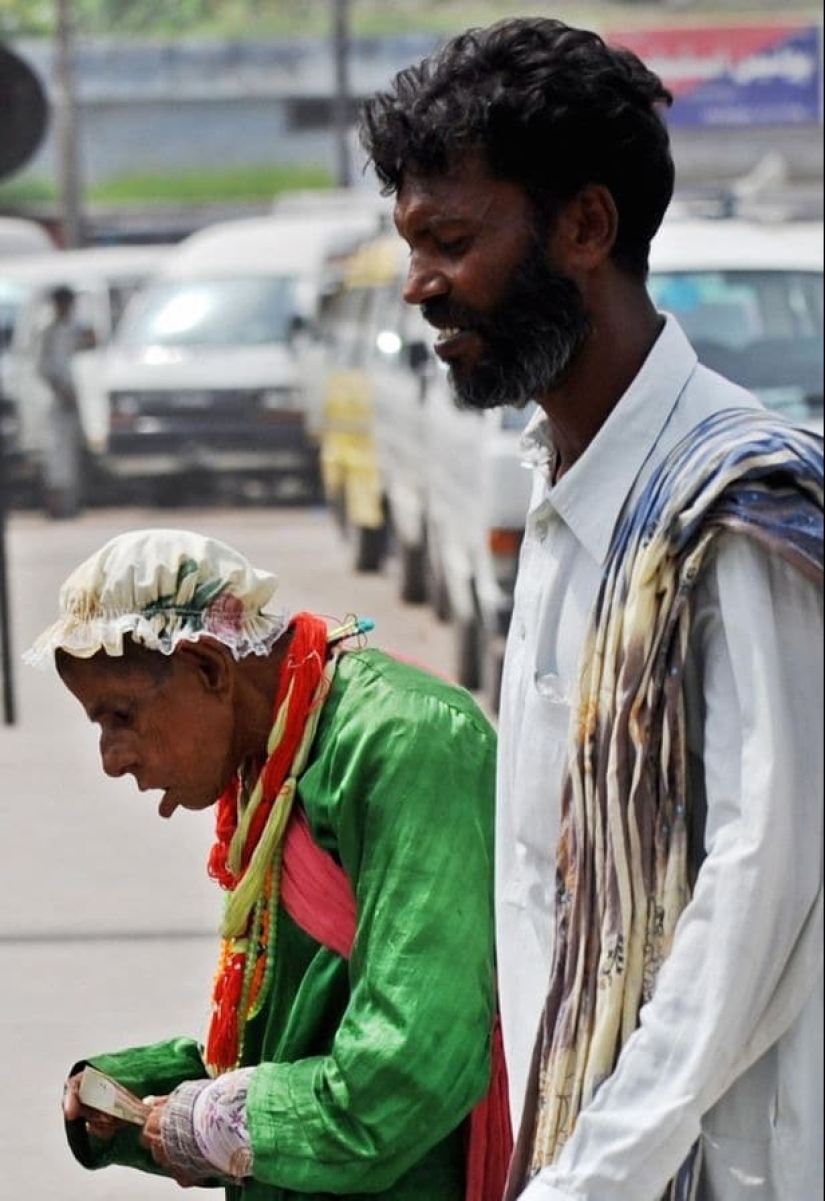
{"x": 60, "y": 340}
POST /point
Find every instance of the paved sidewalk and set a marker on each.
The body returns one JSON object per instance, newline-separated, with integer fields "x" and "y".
{"x": 107, "y": 923}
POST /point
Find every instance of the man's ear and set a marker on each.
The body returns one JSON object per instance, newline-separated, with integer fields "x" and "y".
{"x": 209, "y": 661}
{"x": 586, "y": 229}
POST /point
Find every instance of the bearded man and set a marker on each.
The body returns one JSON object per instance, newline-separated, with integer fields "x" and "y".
{"x": 659, "y": 808}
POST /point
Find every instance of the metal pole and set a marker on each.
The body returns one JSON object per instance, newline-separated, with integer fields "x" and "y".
{"x": 66, "y": 114}
{"x": 341, "y": 102}
{"x": 9, "y": 715}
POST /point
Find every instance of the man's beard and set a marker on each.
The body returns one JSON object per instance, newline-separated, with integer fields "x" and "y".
{"x": 529, "y": 340}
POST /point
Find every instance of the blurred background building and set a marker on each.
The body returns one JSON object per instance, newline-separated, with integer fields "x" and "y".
{"x": 748, "y": 110}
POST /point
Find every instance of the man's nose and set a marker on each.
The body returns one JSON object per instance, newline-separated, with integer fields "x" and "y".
{"x": 425, "y": 281}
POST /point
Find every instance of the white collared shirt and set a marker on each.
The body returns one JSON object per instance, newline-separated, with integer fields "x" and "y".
{"x": 726, "y": 1049}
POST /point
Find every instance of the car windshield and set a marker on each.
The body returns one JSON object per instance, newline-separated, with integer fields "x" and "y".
{"x": 11, "y": 296}
{"x": 210, "y": 312}
{"x": 761, "y": 329}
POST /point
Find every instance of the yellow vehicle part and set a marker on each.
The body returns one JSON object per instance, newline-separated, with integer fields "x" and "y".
{"x": 348, "y": 462}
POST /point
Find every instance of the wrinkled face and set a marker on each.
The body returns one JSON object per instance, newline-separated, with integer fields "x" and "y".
{"x": 169, "y": 729}
{"x": 510, "y": 323}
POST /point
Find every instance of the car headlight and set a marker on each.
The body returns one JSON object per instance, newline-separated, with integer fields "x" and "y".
{"x": 124, "y": 404}
{"x": 281, "y": 398}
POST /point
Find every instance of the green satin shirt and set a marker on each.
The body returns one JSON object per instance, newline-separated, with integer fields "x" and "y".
{"x": 368, "y": 1068}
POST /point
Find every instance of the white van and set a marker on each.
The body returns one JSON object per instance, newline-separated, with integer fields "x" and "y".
{"x": 203, "y": 381}
{"x": 20, "y": 235}
{"x": 478, "y": 490}
{"x": 749, "y": 296}
{"x": 103, "y": 278}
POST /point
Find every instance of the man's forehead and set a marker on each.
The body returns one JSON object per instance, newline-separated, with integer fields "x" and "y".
{"x": 471, "y": 195}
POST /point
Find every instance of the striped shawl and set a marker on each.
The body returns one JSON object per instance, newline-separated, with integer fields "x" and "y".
{"x": 626, "y": 863}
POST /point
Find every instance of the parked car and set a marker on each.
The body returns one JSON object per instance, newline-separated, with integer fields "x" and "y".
{"x": 203, "y": 381}
{"x": 749, "y": 295}
{"x": 103, "y": 279}
{"x": 436, "y": 492}
{"x": 20, "y": 235}
{"x": 356, "y": 310}
{"x": 374, "y": 427}
{"x": 478, "y": 490}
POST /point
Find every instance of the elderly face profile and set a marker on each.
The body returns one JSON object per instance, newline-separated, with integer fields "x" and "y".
{"x": 164, "y": 641}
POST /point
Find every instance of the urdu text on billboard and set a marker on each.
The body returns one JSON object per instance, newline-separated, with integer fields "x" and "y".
{"x": 755, "y": 74}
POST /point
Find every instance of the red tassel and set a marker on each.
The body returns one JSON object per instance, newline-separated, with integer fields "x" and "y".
{"x": 222, "y": 1042}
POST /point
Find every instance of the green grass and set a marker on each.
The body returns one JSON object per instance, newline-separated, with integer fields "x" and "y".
{"x": 298, "y": 18}
{"x": 246, "y": 184}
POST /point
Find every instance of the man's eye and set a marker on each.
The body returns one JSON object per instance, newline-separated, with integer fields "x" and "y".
{"x": 453, "y": 245}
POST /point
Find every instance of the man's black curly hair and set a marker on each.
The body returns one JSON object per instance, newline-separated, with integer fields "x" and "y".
{"x": 550, "y": 107}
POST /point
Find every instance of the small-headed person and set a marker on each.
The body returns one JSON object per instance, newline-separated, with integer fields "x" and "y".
{"x": 349, "y": 1046}
{"x": 59, "y": 341}
{"x": 660, "y": 779}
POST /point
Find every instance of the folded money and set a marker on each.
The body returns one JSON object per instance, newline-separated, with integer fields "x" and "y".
{"x": 99, "y": 1091}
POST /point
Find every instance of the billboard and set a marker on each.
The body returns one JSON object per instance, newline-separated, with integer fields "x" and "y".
{"x": 754, "y": 74}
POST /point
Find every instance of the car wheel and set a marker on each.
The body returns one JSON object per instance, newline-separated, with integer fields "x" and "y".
{"x": 438, "y": 595}
{"x": 413, "y": 581}
{"x": 338, "y": 509}
{"x": 493, "y": 669}
{"x": 467, "y": 656}
{"x": 369, "y": 548}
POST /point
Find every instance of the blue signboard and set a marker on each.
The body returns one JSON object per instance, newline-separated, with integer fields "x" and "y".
{"x": 755, "y": 74}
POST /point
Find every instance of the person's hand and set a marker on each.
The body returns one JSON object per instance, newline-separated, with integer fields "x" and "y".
{"x": 101, "y": 1125}
{"x": 152, "y": 1140}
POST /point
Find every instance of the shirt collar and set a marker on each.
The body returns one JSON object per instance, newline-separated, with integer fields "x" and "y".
{"x": 591, "y": 495}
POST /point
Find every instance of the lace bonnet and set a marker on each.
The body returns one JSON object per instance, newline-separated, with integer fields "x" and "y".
{"x": 162, "y": 587}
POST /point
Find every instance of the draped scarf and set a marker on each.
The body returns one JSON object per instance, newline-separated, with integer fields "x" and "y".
{"x": 246, "y": 858}
{"x": 626, "y": 864}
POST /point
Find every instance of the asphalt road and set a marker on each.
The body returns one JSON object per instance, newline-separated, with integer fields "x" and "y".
{"x": 107, "y": 920}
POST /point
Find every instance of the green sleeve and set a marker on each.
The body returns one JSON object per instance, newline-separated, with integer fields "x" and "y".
{"x": 405, "y": 783}
{"x": 146, "y": 1071}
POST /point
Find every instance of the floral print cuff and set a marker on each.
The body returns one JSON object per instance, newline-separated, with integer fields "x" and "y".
{"x": 178, "y": 1134}
{"x": 220, "y": 1123}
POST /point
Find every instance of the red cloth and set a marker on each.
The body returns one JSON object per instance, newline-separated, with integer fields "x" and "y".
{"x": 315, "y": 890}
{"x": 316, "y": 893}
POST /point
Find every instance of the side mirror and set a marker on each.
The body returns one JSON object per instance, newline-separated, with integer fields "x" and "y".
{"x": 303, "y": 326}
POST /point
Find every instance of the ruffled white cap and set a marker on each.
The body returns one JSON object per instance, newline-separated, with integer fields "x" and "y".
{"x": 162, "y": 587}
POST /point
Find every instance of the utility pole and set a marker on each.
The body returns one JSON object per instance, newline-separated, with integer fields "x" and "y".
{"x": 25, "y": 115}
{"x": 66, "y": 125}
{"x": 341, "y": 102}
{"x": 9, "y": 715}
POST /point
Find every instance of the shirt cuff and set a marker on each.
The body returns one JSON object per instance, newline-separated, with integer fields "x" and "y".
{"x": 220, "y": 1125}
{"x": 177, "y": 1132}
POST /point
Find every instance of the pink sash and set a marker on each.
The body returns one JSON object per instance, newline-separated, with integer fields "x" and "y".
{"x": 317, "y": 896}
